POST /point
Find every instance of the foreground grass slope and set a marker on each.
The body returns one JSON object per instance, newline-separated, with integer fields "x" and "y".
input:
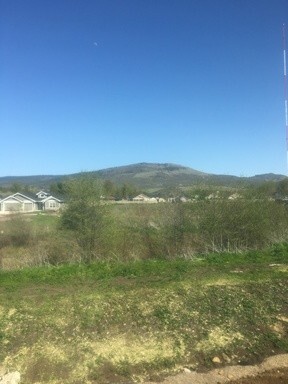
{"x": 125, "y": 322}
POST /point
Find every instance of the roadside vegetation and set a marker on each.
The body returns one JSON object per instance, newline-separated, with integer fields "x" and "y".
{"x": 111, "y": 293}
{"x": 113, "y": 322}
{"x": 90, "y": 229}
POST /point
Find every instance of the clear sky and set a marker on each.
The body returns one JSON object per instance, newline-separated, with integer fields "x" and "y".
{"x": 92, "y": 84}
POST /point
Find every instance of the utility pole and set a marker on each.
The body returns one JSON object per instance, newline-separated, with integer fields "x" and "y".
{"x": 285, "y": 90}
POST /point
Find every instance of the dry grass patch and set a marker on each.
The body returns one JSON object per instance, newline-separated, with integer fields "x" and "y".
{"x": 218, "y": 338}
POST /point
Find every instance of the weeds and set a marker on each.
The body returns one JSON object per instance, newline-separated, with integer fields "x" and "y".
{"x": 153, "y": 298}
{"x": 142, "y": 232}
{"x": 129, "y": 321}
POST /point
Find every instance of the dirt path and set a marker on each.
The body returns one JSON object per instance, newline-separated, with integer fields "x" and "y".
{"x": 273, "y": 370}
{"x": 276, "y": 376}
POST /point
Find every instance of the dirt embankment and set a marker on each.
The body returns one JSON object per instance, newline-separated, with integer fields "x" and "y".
{"x": 273, "y": 370}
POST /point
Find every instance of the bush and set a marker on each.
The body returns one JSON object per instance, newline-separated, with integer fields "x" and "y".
{"x": 236, "y": 225}
{"x": 18, "y": 232}
{"x": 63, "y": 249}
{"x": 85, "y": 216}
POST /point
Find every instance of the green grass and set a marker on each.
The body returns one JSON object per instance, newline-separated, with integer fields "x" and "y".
{"x": 202, "y": 267}
{"x": 43, "y": 220}
{"x": 122, "y": 322}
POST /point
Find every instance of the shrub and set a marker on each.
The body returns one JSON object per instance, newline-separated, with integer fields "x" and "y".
{"x": 18, "y": 232}
{"x": 236, "y": 225}
{"x": 85, "y": 216}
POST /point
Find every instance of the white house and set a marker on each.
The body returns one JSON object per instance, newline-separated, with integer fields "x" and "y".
{"x": 18, "y": 202}
{"x": 51, "y": 203}
{"x": 141, "y": 198}
{"x": 234, "y": 196}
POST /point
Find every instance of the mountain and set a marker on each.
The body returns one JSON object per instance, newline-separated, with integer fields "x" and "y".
{"x": 39, "y": 181}
{"x": 146, "y": 176}
{"x": 152, "y": 175}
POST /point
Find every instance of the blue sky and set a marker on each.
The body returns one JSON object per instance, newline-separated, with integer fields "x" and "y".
{"x": 92, "y": 84}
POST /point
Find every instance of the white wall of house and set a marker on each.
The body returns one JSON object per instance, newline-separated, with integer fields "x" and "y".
{"x": 12, "y": 204}
{"x": 52, "y": 205}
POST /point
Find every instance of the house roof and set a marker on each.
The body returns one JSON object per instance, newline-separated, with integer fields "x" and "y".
{"x": 11, "y": 197}
{"x": 42, "y": 192}
{"x": 48, "y": 196}
{"x": 51, "y": 197}
{"x": 18, "y": 197}
{"x": 28, "y": 196}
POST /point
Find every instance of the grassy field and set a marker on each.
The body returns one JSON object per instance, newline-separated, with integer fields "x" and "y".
{"x": 129, "y": 322}
{"x": 130, "y": 232}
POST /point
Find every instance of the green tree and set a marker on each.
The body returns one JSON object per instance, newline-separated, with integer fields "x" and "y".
{"x": 263, "y": 190}
{"x": 58, "y": 188}
{"x": 282, "y": 188}
{"x": 16, "y": 187}
{"x": 85, "y": 215}
{"x": 109, "y": 189}
{"x": 126, "y": 192}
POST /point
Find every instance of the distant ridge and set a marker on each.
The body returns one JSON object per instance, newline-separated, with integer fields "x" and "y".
{"x": 150, "y": 167}
{"x": 146, "y": 176}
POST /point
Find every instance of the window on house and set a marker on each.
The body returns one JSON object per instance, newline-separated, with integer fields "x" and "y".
{"x": 52, "y": 204}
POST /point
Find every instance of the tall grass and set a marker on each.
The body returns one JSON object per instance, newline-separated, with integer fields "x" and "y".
{"x": 143, "y": 232}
